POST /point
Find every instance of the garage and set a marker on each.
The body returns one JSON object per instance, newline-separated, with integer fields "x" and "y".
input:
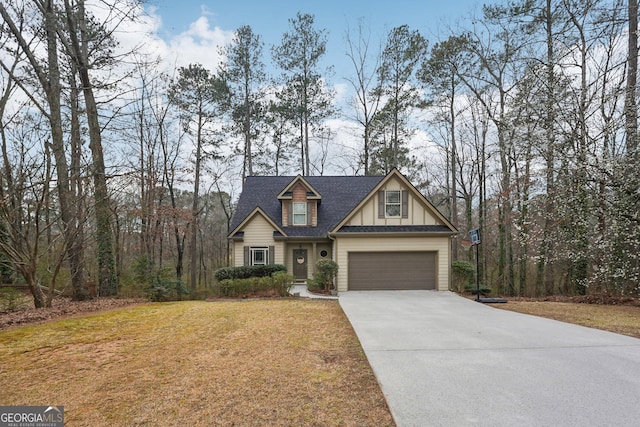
{"x": 391, "y": 270}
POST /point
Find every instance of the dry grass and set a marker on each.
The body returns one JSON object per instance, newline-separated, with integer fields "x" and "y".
{"x": 253, "y": 363}
{"x": 621, "y": 319}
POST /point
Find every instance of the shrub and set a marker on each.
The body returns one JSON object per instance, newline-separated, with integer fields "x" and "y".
{"x": 473, "y": 289}
{"x": 280, "y": 283}
{"x": 315, "y": 284}
{"x": 323, "y": 277}
{"x": 247, "y": 271}
{"x": 463, "y": 272}
{"x": 164, "y": 289}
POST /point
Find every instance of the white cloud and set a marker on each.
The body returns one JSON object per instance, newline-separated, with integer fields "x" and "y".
{"x": 200, "y": 43}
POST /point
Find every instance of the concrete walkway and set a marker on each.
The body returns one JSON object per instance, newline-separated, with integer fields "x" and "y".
{"x": 302, "y": 291}
{"x": 443, "y": 360}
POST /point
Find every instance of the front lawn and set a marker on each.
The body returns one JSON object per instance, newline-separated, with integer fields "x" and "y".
{"x": 621, "y": 319}
{"x": 256, "y": 362}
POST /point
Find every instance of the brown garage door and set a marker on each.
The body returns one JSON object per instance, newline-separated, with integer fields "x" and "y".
{"x": 392, "y": 270}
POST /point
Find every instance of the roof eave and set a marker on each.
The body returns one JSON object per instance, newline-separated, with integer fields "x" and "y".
{"x": 394, "y": 234}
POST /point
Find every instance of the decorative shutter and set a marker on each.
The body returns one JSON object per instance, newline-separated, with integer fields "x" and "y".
{"x": 309, "y": 213}
{"x": 405, "y": 203}
{"x": 290, "y": 214}
{"x": 247, "y": 259}
{"x": 381, "y": 204}
{"x": 272, "y": 254}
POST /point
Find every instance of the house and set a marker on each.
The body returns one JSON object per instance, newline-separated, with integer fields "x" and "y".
{"x": 382, "y": 232}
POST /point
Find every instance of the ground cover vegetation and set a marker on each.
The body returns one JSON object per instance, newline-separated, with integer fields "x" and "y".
{"x": 249, "y": 362}
{"x": 118, "y": 174}
{"x": 609, "y": 314}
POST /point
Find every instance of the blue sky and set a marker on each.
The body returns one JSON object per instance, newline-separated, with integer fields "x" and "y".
{"x": 269, "y": 18}
{"x": 189, "y": 31}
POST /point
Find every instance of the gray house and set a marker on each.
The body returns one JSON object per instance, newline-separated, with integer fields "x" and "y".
{"x": 382, "y": 232}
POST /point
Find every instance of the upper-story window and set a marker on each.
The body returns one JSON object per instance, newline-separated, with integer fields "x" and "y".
{"x": 299, "y": 213}
{"x": 392, "y": 204}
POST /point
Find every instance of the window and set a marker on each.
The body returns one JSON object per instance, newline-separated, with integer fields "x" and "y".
{"x": 299, "y": 214}
{"x": 259, "y": 256}
{"x": 392, "y": 203}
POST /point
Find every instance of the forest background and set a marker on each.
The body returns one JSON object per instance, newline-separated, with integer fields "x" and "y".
{"x": 119, "y": 172}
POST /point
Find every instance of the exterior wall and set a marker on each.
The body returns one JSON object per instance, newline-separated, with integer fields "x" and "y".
{"x": 441, "y": 245}
{"x": 313, "y": 255}
{"x": 258, "y": 232}
{"x": 419, "y": 213}
{"x": 299, "y": 195}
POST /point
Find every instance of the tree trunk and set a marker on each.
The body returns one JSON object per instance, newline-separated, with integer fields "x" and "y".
{"x": 631, "y": 109}
{"x": 193, "y": 246}
{"x": 76, "y": 247}
{"x": 544, "y": 277}
{"x": 107, "y": 277}
{"x": 454, "y": 185}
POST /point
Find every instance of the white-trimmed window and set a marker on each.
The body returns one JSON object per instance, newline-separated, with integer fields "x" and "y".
{"x": 299, "y": 213}
{"x": 259, "y": 255}
{"x": 392, "y": 203}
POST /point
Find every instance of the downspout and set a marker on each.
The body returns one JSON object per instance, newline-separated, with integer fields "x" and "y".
{"x": 334, "y": 253}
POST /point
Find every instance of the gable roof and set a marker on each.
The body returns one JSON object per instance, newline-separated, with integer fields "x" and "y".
{"x": 257, "y": 211}
{"x": 287, "y": 192}
{"x": 341, "y": 195}
{"x": 396, "y": 173}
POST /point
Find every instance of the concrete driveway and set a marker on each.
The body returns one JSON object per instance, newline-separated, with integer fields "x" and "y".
{"x": 443, "y": 360}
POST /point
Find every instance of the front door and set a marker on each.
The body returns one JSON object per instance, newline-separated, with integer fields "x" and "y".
{"x": 300, "y": 264}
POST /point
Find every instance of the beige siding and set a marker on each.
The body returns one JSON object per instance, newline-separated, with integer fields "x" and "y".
{"x": 440, "y": 245}
{"x": 419, "y": 213}
{"x": 257, "y": 232}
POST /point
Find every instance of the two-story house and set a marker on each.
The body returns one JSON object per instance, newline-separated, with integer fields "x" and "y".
{"x": 382, "y": 232}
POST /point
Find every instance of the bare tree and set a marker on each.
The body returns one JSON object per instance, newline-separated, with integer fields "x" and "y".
{"x": 48, "y": 76}
{"x": 198, "y": 95}
{"x": 366, "y": 101}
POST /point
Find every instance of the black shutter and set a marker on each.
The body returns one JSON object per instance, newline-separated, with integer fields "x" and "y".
{"x": 272, "y": 254}
{"x": 381, "y": 204}
{"x": 405, "y": 204}
{"x": 247, "y": 259}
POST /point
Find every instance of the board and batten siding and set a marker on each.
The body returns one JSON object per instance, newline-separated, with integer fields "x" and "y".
{"x": 419, "y": 213}
{"x": 258, "y": 232}
{"x": 440, "y": 245}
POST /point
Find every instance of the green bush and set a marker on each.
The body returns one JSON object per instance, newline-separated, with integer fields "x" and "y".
{"x": 315, "y": 284}
{"x": 280, "y": 283}
{"x": 473, "y": 289}
{"x": 326, "y": 271}
{"x": 247, "y": 271}
{"x": 463, "y": 272}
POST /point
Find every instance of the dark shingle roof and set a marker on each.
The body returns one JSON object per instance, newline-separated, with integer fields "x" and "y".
{"x": 340, "y": 195}
{"x": 394, "y": 229}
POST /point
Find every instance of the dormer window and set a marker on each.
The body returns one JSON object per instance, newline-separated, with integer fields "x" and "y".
{"x": 392, "y": 204}
{"x": 299, "y": 213}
